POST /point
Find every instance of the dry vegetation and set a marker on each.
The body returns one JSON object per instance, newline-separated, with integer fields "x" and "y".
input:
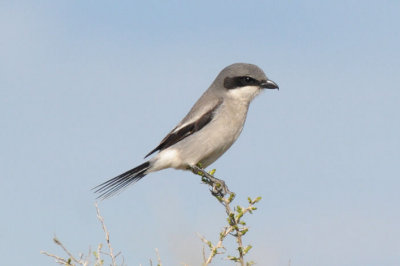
{"x": 235, "y": 227}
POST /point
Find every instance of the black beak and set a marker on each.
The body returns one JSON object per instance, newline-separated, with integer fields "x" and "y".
{"x": 269, "y": 84}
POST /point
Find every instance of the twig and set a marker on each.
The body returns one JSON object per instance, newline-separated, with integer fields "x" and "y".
{"x": 58, "y": 259}
{"x": 64, "y": 261}
{"x": 86, "y": 260}
{"x": 203, "y": 251}
{"x": 236, "y": 227}
{"x": 107, "y": 235}
{"x": 158, "y": 258}
{"x": 66, "y": 250}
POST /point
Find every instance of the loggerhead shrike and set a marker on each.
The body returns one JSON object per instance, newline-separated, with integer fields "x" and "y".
{"x": 207, "y": 131}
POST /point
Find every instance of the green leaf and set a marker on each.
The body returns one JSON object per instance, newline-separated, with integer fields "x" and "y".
{"x": 210, "y": 245}
{"x": 247, "y": 249}
{"x": 240, "y": 249}
{"x": 231, "y": 197}
{"x": 257, "y": 200}
{"x": 240, "y": 215}
{"x": 235, "y": 259}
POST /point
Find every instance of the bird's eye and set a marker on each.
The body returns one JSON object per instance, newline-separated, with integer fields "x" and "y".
{"x": 247, "y": 81}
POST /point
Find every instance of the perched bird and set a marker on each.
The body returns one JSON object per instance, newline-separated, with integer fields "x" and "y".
{"x": 207, "y": 131}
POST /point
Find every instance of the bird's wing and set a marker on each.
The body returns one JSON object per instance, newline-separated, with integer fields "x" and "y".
{"x": 194, "y": 121}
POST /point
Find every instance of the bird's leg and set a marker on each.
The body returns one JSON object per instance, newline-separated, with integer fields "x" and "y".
{"x": 219, "y": 188}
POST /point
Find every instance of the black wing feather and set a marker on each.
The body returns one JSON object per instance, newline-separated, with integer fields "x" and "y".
{"x": 174, "y": 137}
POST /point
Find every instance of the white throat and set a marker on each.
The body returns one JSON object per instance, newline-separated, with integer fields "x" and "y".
{"x": 244, "y": 94}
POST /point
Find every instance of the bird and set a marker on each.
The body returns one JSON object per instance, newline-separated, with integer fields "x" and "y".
{"x": 210, "y": 128}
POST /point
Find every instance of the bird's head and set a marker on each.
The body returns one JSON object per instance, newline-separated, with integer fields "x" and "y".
{"x": 243, "y": 81}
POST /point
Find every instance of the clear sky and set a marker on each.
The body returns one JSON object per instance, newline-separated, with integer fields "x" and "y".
{"x": 88, "y": 88}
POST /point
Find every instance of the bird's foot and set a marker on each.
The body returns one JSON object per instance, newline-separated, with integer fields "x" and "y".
{"x": 218, "y": 186}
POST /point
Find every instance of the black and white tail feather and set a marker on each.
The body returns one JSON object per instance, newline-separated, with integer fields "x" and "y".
{"x": 118, "y": 183}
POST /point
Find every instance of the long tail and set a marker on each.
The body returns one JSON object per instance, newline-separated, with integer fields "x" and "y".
{"x": 114, "y": 185}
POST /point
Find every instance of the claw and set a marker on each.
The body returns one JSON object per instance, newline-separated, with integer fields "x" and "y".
{"x": 219, "y": 187}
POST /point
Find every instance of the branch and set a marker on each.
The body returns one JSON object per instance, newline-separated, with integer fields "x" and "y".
{"x": 85, "y": 260}
{"x": 107, "y": 235}
{"x": 236, "y": 227}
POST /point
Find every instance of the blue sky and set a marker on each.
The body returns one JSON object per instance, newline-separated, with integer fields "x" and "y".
{"x": 88, "y": 88}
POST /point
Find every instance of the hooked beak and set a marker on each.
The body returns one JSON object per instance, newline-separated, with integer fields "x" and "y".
{"x": 269, "y": 84}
